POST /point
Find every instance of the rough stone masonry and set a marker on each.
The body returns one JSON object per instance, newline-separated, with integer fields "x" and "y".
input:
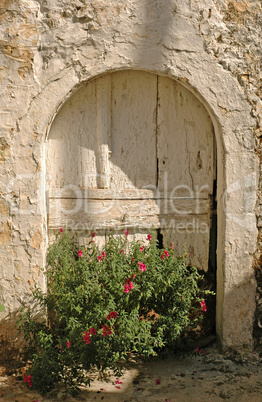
{"x": 50, "y": 48}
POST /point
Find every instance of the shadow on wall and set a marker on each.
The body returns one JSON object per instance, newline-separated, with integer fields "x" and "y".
{"x": 12, "y": 356}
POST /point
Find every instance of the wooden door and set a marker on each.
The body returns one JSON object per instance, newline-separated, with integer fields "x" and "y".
{"x": 133, "y": 150}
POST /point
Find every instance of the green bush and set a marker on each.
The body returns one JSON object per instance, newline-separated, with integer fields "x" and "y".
{"x": 104, "y": 304}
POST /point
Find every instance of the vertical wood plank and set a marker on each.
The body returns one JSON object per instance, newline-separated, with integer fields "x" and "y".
{"x": 88, "y": 144}
{"x": 103, "y": 130}
{"x": 133, "y": 130}
{"x": 185, "y": 149}
{"x": 185, "y": 140}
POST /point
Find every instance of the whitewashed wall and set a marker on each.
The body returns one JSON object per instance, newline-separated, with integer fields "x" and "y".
{"x": 51, "y": 48}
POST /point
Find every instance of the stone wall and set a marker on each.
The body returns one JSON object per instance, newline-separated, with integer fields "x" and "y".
{"x": 49, "y": 48}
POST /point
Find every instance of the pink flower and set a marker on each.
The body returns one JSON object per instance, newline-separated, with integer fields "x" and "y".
{"x": 131, "y": 286}
{"x": 99, "y": 258}
{"x": 141, "y": 248}
{"x": 60, "y": 230}
{"x": 122, "y": 251}
{"x": 165, "y": 254}
{"x": 117, "y": 386}
{"x": 158, "y": 381}
{"x": 68, "y": 344}
{"x": 80, "y": 254}
{"x": 113, "y": 314}
{"x": 126, "y": 232}
{"x": 203, "y": 305}
{"x": 118, "y": 382}
{"x": 126, "y": 285}
{"x": 28, "y": 379}
{"x": 172, "y": 246}
{"x": 134, "y": 276}
{"x": 142, "y": 266}
{"x": 103, "y": 254}
{"x": 149, "y": 237}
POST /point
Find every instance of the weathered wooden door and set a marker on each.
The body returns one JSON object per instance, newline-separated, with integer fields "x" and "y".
{"x": 133, "y": 150}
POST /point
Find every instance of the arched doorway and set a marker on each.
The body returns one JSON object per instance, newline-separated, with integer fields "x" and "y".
{"x": 134, "y": 150}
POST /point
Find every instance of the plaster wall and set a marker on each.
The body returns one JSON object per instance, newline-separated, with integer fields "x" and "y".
{"x": 49, "y": 48}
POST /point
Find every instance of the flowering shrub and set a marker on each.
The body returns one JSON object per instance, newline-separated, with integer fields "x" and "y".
{"x": 104, "y": 304}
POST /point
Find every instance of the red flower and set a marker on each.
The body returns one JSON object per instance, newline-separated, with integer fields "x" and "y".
{"x": 198, "y": 350}
{"x": 60, "y": 230}
{"x": 122, "y": 251}
{"x": 93, "y": 234}
{"x": 141, "y": 248}
{"x": 118, "y": 382}
{"x": 80, "y": 254}
{"x": 103, "y": 254}
{"x": 28, "y": 379}
{"x": 158, "y": 381}
{"x": 68, "y": 344}
{"x": 86, "y": 337}
{"x": 113, "y": 314}
{"x": 149, "y": 237}
{"x": 99, "y": 258}
{"x": 126, "y": 232}
{"x": 131, "y": 286}
{"x": 106, "y": 330}
{"x": 92, "y": 331}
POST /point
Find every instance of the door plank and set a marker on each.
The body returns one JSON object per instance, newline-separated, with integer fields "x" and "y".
{"x": 184, "y": 138}
{"x": 185, "y": 143}
{"x": 103, "y": 130}
{"x": 133, "y": 130}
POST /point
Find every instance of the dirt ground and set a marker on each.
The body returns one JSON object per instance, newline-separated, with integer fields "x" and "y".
{"x": 204, "y": 376}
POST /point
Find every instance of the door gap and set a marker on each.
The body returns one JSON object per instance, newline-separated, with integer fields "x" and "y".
{"x": 159, "y": 239}
{"x": 211, "y": 275}
{"x": 157, "y": 159}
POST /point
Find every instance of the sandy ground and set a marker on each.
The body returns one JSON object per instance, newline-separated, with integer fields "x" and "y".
{"x": 199, "y": 377}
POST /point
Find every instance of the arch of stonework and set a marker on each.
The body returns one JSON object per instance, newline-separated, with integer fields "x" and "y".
{"x": 163, "y": 49}
{"x": 235, "y": 189}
